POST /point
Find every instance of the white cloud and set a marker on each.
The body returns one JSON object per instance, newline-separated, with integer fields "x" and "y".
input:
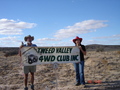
{"x": 9, "y": 41}
{"x": 61, "y": 43}
{"x": 8, "y": 38}
{"x": 105, "y": 40}
{"x": 108, "y": 37}
{"x": 80, "y": 28}
{"x": 12, "y": 27}
{"x": 49, "y": 39}
{"x": 88, "y": 42}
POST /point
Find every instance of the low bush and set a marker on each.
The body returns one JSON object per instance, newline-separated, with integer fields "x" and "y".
{"x": 99, "y": 49}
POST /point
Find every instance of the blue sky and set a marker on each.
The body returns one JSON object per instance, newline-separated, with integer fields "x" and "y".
{"x": 57, "y": 22}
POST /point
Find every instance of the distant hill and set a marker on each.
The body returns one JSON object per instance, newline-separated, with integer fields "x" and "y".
{"x": 9, "y": 49}
{"x": 93, "y": 47}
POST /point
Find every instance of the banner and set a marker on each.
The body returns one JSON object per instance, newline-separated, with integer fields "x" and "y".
{"x": 47, "y": 55}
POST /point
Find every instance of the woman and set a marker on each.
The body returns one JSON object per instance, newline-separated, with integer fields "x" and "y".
{"x": 79, "y": 67}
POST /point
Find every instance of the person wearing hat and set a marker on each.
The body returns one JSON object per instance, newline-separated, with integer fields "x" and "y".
{"x": 79, "y": 67}
{"x": 28, "y": 69}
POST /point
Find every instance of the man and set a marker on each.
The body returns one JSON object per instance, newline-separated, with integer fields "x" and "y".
{"x": 28, "y": 69}
{"x": 79, "y": 67}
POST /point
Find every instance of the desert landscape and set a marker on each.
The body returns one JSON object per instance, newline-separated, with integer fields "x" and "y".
{"x": 102, "y": 63}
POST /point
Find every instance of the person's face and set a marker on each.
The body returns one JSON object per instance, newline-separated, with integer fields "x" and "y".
{"x": 29, "y": 40}
{"x": 77, "y": 41}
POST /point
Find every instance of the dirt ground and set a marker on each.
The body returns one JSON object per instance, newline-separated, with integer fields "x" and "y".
{"x": 102, "y": 66}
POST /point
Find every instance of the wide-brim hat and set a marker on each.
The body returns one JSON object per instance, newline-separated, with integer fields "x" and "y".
{"x": 77, "y": 39}
{"x": 29, "y": 36}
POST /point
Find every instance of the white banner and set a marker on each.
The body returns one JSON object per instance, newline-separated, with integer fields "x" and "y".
{"x": 47, "y": 55}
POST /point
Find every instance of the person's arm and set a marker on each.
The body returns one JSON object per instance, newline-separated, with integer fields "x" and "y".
{"x": 84, "y": 52}
{"x": 19, "y": 52}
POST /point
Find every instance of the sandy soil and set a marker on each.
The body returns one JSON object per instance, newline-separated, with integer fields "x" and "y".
{"x": 102, "y": 66}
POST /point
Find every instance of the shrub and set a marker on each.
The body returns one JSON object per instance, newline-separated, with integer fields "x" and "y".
{"x": 118, "y": 52}
{"x": 99, "y": 49}
{"x": 10, "y": 53}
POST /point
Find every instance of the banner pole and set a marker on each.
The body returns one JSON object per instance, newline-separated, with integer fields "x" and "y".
{"x": 55, "y": 66}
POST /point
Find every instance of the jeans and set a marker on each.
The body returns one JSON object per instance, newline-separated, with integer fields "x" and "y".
{"x": 79, "y": 68}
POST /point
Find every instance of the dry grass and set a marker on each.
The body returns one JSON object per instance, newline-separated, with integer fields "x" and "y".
{"x": 98, "y": 66}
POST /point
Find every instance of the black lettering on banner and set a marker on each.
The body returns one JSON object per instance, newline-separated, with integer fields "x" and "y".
{"x": 74, "y": 58}
{"x": 63, "y": 58}
{"x": 41, "y": 58}
{"x": 45, "y": 50}
{"x": 49, "y": 58}
{"x": 63, "y": 50}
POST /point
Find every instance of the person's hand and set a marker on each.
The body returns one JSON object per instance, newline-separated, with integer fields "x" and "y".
{"x": 80, "y": 47}
{"x": 22, "y": 45}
